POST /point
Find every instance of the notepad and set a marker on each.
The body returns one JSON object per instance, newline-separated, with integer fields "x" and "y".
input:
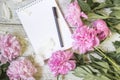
{"x": 38, "y": 21}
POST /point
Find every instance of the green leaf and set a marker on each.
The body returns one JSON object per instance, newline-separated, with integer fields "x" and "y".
{"x": 116, "y": 44}
{"x": 94, "y": 71}
{"x": 79, "y": 59}
{"x": 4, "y": 76}
{"x": 94, "y": 5}
{"x": 115, "y": 56}
{"x": 116, "y": 14}
{"x": 72, "y": 1}
{"x": 84, "y": 6}
{"x": 117, "y": 28}
{"x": 118, "y": 50}
{"x": 92, "y": 58}
{"x": 116, "y": 2}
{"x": 108, "y": 1}
{"x": 102, "y": 64}
{"x": 0, "y": 71}
{"x": 86, "y": 69}
{"x": 115, "y": 8}
{"x": 112, "y": 22}
{"x": 96, "y": 16}
{"x": 103, "y": 5}
{"x": 80, "y": 72}
{"x": 102, "y": 12}
{"x": 4, "y": 67}
{"x": 90, "y": 2}
{"x": 92, "y": 77}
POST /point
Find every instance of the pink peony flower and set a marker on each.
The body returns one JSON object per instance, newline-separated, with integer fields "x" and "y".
{"x": 84, "y": 39}
{"x": 21, "y": 69}
{"x": 101, "y": 29}
{"x": 9, "y": 48}
{"x": 60, "y": 62}
{"x": 74, "y": 13}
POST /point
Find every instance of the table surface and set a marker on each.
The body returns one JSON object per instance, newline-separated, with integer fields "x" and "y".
{"x": 13, "y": 25}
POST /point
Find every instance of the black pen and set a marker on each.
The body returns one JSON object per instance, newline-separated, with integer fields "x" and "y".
{"x": 57, "y": 26}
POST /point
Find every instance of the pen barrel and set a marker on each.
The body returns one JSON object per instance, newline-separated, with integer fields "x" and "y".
{"x": 59, "y": 33}
{"x": 57, "y": 26}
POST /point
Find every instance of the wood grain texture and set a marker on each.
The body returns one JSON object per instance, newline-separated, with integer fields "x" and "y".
{"x": 14, "y": 26}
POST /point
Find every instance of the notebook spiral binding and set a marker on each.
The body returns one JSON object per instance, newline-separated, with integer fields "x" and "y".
{"x": 28, "y": 5}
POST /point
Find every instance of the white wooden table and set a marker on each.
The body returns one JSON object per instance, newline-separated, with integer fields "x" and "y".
{"x": 14, "y": 26}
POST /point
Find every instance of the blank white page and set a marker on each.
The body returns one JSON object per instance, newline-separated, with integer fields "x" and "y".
{"x": 38, "y": 21}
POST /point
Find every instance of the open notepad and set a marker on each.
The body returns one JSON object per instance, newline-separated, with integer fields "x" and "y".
{"x": 38, "y": 21}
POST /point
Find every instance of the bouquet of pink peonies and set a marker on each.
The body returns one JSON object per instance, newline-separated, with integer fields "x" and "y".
{"x": 12, "y": 66}
{"x": 94, "y": 22}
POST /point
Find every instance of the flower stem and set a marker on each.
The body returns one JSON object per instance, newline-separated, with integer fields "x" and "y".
{"x": 109, "y": 59}
{"x": 58, "y": 77}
